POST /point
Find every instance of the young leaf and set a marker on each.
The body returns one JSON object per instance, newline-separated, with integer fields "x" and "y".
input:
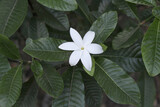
{"x": 12, "y": 14}
{"x": 4, "y": 66}
{"x": 28, "y": 94}
{"x": 8, "y": 48}
{"x": 104, "y": 26}
{"x": 49, "y": 80}
{"x": 151, "y": 48}
{"x": 55, "y": 19}
{"x": 144, "y": 2}
{"x": 115, "y": 82}
{"x": 73, "y": 94}
{"x": 148, "y": 91}
{"x": 10, "y": 87}
{"x": 46, "y": 49}
{"x": 156, "y": 12}
{"x": 61, "y": 5}
{"x": 130, "y": 59}
{"x": 93, "y": 92}
{"x": 126, "y": 38}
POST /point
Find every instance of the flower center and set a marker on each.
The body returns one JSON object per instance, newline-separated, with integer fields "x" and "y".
{"x": 82, "y": 48}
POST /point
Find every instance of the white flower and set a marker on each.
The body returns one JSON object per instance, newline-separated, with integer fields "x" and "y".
{"x": 81, "y": 48}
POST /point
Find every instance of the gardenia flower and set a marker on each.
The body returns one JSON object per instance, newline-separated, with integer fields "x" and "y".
{"x": 82, "y": 48}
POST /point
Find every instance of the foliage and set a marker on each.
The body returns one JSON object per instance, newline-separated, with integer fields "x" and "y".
{"x": 127, "y": 30}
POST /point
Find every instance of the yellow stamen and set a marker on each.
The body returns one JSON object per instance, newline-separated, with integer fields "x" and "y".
{"x": 82, "y": 48}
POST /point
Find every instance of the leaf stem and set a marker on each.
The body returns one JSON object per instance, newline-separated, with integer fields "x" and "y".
{"x": 146, "y": 20}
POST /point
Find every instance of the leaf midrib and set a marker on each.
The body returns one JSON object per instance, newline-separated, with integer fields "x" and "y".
{"x": 116, "y": 84}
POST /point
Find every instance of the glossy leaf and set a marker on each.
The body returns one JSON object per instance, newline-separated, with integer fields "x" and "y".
{"x": 73, "y": 94}
{"x": 93, "y": 92}
{"x": 61, "y": 5}
{"x": 115, "y": 82}
{"x": 156, "y": 12}
{"x": 55, "y": 19}
{"x": 4, "y": 65}
{"x": 8, "y": 48}
{"x": 126, "y": 38}
{"x": 148, "y": 91}
{"x": 46, "y": 49}
{"x": 28, "y": 94}
{"x": 126, "y": 8}
{"x": 48, "y": 79}
{"x": 151, "y": 48}
{"x": 10, "y": 87}
{"x": 143, "y": 2}
{"x": 104, "y": 26}
{"x": 12, "y": 14}
{"x": 130, "y": 59}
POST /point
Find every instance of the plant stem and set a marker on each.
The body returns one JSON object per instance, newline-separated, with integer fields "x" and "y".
{"x": 146, "y": 20}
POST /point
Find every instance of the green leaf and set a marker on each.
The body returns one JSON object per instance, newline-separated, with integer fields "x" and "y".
{"x": 130, "y": 59}
{"x": 61, "y": 5}
{"x": 4, "y": 65}
{"x": 12, "y": 14}
{"x": 126, "y": 8}
{"x": 48, "y": 79}
{"x": 91, "y": 73}
{"x": 8, "y": 48}
{"x": 156, "y": 12}
{"x": 10, "y": 87}
{"x": 34, "y": 29}
{"x": 126, "y": 38}
{"x": 93, "y": 92}
{"x": 83, "y": 6}
{"x": 151, "y": 48}
{"x": 28, "y": 95}
{"x": 115, "y": 82}
{"x": 46, "y": 49}
{"x": 104, "y": 26}
{"x": 56, "y": 20}
{"x": 144, "y": 2}
{"x": 148, "y": 91}
{"x": 73, "y": 94}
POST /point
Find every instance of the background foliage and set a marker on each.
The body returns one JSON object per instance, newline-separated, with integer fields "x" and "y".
{"x": 34, "y": 72}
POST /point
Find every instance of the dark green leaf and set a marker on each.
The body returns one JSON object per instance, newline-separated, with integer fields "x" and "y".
{"x": 4, "y": 65}
{"x": 148, "y": 91}
{"x": 117, "y": 85}
{"x": 156, "y": 12}
{"x": 129, "y": 59}
{"x": 49, "y": 80}
{"x": 61, "y": 5}
{"x": 73, "y": 94}
{"x": 104, "y": 26}
{"x": 28, "y": 95}
{"x": 12, "y": 14}
{"x": 143, "y": 2}
{"x": 10, "y": 87}
{"x": 8, "y": 48}
{"x": 93, "y": 92}
{"x": 126, "y": 38}
{"x": 151, "y": 48}
{"x": 34, "y": 29}
{"x": 46, "y": 49}
{"x": 57, "y": 20}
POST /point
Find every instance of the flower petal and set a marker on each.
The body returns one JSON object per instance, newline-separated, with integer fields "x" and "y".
{"x": 86, "y": 60}
{"x": 88, "y": 38}
{"x": 75, "y": 57}
{"x": 94, "y": 48}
{"x": 76, "y": 37}
{"x": 69, "y": 46}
